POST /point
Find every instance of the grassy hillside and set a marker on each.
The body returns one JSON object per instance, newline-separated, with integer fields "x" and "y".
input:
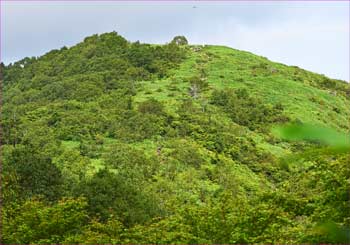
{"x": 116, "y": 142}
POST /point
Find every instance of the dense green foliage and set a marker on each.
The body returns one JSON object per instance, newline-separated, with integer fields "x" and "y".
{"x": 110, "y": 141}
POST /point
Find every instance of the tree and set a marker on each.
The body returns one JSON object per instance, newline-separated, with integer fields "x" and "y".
{"x": 36, "y": 172}
{"x": 151, "y": 106}
{"x": 130, "y": 162}
{"x": 73, "y": 167}
{"x": 179, "y": 40}
{"x": 198, "y": 84}
{"x": 110, "y": 193}
{"x": 34, "y": 222}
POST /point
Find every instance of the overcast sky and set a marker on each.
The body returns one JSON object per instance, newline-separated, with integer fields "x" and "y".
{"x": 311, "y": 35}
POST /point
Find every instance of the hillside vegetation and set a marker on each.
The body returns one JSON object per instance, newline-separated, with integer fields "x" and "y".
{"x": 110, "y": 141}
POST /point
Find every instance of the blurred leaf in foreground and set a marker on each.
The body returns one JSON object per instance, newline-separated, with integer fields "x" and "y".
{"x": 336, "y": 233}
{"x": 307, "y": 132}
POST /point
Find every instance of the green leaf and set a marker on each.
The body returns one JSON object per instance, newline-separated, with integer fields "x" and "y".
{"x": 307, "y": 132}
{"x": 335, "y": 232}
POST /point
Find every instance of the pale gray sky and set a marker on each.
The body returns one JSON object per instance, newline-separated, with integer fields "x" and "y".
{"x": 311, "y": 35}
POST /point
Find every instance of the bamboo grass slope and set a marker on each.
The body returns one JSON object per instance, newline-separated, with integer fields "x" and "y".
{"x": 110, "y": 141}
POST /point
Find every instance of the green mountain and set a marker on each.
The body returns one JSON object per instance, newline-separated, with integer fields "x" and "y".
{"x": 110, "y": 141}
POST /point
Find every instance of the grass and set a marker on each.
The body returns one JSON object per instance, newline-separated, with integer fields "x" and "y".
{"x": 95, "y": 166}
{"x": 70, "y": 144}
{"x": 231, "y": 68}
